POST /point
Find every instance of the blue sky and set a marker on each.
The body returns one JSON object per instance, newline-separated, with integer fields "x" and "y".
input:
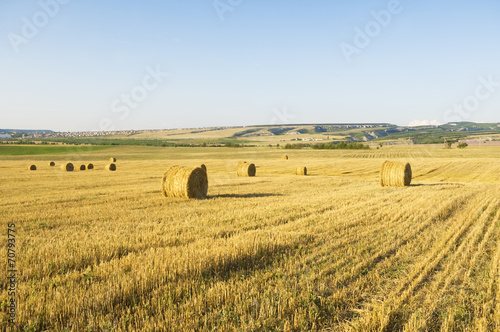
{"x": 88, "y": 65}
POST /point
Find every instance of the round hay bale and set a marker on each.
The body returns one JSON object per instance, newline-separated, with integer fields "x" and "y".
{"x": 301, "y": 170}
{"x": 83, "y": 167}
{"x": 32, "y": 168}
{"x": 185, "y": 182}
{"x": 246, "y": 169}
{"x": 52, "y": 164}
{"x": 113, "y": 160}
{"x": 395, "y": 174}
{"x": 284, "y": 157}
{"x": 90, "y": 166}
{"x": 110, "y": 167}
{"x": 67, "y": 167}
{"x": 203, "y": 167}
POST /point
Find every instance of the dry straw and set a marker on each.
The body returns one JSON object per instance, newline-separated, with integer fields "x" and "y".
{"x": 203, "y": 167}
{"x": 67, "y": 167}
{"x": 113, "y": 160}
{"x": 301, "y": 170}
{"x": 284, "y": 157}
{"x": 52, "y": 164}
{"x": 83, "y": 167}
{"x": 32, "y": 168}
{"x": 185, "y": 182}
{"x": 395, "y": 174}
{"x": 110, "y": 167}
{"x": 246, "y": 169}
{"x": 90, "y": 166}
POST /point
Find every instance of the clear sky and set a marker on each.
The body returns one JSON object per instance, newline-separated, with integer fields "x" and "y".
{"x": 71, "y": 65}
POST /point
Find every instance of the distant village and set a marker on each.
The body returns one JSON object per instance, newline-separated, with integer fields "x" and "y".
{"x": 25, "y": 134}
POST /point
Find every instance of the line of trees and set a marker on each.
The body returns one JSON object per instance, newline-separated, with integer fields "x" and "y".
{"x": 329, "y": 146}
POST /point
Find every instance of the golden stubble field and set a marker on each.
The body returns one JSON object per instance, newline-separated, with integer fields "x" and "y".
{"x": 104, "y": 251}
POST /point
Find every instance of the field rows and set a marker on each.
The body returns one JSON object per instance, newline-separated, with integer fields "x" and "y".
{"x": 331, "y": 251}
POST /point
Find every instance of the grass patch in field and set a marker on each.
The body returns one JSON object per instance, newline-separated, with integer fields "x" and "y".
{"x": 40, "y": 150}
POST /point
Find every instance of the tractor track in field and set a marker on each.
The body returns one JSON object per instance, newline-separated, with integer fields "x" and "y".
{"x": 385, "y": 315}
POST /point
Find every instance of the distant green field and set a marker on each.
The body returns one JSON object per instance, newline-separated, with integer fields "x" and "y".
{"x": 13, "y": 150}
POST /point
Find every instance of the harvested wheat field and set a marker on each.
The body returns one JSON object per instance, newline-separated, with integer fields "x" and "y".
{"x": 332, "y": 251}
